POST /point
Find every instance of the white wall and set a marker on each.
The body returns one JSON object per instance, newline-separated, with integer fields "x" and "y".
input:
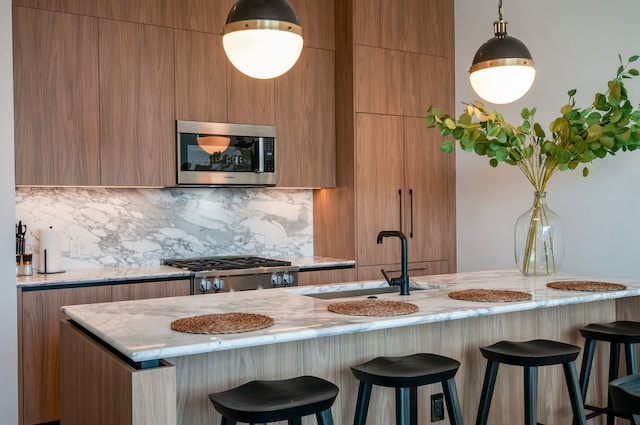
{"x": 575, "y": 44}
{"x": 8, "y": 315}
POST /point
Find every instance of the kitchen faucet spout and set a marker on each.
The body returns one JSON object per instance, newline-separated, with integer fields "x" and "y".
{"x": 403, "y": 280}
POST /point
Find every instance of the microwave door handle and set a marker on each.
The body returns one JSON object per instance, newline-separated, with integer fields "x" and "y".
{"x": 259, "y": 154}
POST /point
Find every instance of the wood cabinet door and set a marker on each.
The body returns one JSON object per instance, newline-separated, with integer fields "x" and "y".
{"x": 305, "y": 120}
{"x": 250, "y": 101}
{"x": 378, "y": 80}
{"x": 317, "y": 19}
{"x": 147, "y": 290}
{"x": 153, "y": 12}
{"x": 137, "y": 105}
{"x": 202, "y": 15}
{"x": 39, "y": 353}
{"x": 201, "y": 77}
{"x": 56, "y": 98}
{"x": 430, "y": 180}
{"x": 379, "y": 191}
{"x": 379, "y": 23}
{"x": 80, "y": 7}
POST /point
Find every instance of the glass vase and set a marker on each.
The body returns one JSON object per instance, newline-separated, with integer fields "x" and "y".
{"x": 539, "y": 239}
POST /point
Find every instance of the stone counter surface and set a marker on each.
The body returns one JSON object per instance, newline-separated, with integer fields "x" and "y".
{"x": 141, "y": 329}
{"x": 109, "y": 275}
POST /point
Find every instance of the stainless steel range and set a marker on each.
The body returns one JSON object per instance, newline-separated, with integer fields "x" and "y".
{"x": 236, "y": 273}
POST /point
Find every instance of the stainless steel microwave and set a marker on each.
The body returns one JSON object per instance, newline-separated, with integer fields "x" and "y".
{"x": 222, "y": 154}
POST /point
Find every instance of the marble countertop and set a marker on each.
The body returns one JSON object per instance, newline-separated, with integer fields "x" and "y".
{"x": 123, "y": 274}
{"x": 141, "y": 329}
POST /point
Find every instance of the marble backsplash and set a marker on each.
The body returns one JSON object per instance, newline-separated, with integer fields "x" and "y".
{"x": 110, "y": 227}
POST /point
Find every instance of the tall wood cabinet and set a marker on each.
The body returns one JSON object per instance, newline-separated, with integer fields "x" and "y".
{"x": 39, "y": 317}
{"x": 100, "y": 84}
{"x": 390, "y": 172}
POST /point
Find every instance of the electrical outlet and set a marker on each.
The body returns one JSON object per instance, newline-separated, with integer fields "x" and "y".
{"x": 437, "y": 407}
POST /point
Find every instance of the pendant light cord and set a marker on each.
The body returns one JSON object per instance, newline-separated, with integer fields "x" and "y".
{"x": 500, "y": 10}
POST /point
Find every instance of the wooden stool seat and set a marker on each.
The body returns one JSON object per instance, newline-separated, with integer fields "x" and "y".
{"x": 625, "y": 333}
{"x": 260, "y": 402}
{"x": 625, "y": 397}
{"x": 405, "y": 374}
{"x": 530, "y": 355}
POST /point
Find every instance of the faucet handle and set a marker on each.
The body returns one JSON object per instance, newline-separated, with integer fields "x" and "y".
{"x": 386, "y": 277}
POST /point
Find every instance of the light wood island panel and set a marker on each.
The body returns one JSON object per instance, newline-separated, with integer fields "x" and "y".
{"x": 330, "y": 358}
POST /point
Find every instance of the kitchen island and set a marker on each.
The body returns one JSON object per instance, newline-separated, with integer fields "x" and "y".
{"x": 173, "y": 372}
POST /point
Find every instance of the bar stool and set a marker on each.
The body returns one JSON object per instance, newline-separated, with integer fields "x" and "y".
{"x": 616, "y": 333}
{"x": 406, "y": 374}
{"x": 261, "y": 402}
{"x": 625, "y": 397}
{"x": 530, "y": 355}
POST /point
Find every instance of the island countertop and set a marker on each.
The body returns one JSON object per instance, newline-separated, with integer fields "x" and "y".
{"x": 141, "y": 329}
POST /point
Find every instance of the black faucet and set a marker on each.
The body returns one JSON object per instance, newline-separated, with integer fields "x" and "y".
{"x": 403, "y": 280}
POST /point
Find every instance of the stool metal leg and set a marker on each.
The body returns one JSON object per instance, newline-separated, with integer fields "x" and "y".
{"x": 574, "y": 393}
{"x": 403, "y": 406}
{"x": 614, "y": 370}
{"x": 487, "y": 392}
{"x": 362, "y": 405}
{"x": 227, "y": 421}
{"x": 530, "y": 395}
{"x": 325, "y": 417}
{"x": 630, "y": 355}
{"x": 413, "y": 406}
{"x": 453, "y": 404}
{"x": 585, "y": 369}
{"x": 295, "y": 421}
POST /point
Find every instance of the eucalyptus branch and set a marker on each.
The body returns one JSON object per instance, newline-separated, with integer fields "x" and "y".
{"x": 577, "y": 137}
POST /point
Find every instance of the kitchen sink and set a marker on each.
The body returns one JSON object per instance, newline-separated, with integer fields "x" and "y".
{"x": 328, "y": 295}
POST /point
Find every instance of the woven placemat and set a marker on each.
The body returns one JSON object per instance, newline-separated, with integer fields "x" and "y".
{"x": 373, "y": 308}
{"x": 489, "y": 295}
{"x": 223, "y": 323}
{"x": 585, "y": 285}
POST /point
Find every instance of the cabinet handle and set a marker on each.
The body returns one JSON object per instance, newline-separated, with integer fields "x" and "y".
{"x": 401, "y": 212}
{"x": 411, "y": 212}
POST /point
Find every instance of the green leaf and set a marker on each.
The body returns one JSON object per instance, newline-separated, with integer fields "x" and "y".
{"x": 572, "y": 92}
{"x": 502, "y": 154}
{"x": 435, "y": 111}
{"x": 537, "y": 128}
{"x": 493, "y": 162}
{"x": 585, "y": 172}
{"x": 634, "y": 72}
{"x": 449, "y": 123}
{"x": 633, "y": 58}
{"x": 594, "y": 131}
{"x": 447, "y": 146}
{"x": 563, "y": 156}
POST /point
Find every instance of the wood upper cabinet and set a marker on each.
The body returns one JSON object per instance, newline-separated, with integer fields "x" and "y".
{"x": 379, "y": 80}
{"x": 305, "y": 121}
{"x": 80, "y": 7}
{"x": 56, "y": 98}
{"x": 317, "y": 19}
{"x": 201, "y": 77}
{"x": 202, "y": 15}
{"x": 137, "y": 125}
{"x": 153, "y": 12}
{"x": 416, "y": 26}
{"x": 250, "y": 101}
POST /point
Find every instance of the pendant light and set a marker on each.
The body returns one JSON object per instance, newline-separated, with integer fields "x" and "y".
{"x": 262, "y": 38}
{"x": 503, "y": 69}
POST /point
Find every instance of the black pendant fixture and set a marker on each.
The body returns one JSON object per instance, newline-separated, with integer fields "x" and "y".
{"x": 502, "y": 70}
{"x": 262, "y": 38}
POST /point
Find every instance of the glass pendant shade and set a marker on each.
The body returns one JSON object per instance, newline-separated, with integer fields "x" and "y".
{"x": 502, "y": 70}
{"x": 262, "y": 38}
